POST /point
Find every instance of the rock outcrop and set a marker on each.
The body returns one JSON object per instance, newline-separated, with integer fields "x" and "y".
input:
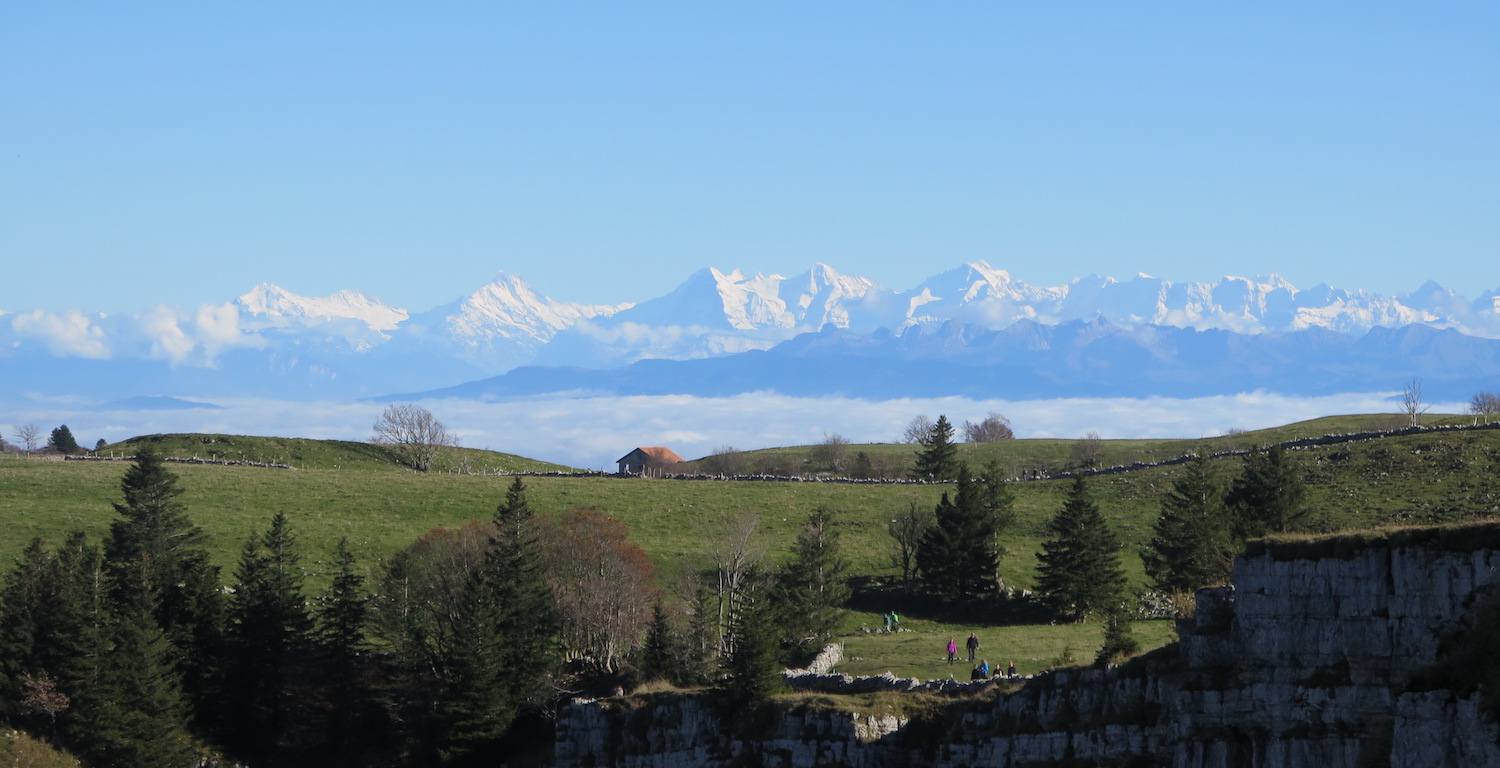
{"x": 1330, "y": 653}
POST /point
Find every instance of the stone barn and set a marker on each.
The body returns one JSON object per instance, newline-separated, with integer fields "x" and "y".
{"x": 653, "y": 460}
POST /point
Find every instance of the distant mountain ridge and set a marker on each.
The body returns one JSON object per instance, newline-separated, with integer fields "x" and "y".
{"x": 273, "y": 342}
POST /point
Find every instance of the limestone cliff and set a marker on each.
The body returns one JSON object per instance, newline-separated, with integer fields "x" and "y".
{"x": 1336, "y": 653}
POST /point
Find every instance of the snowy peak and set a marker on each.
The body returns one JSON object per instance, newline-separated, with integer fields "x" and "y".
{"x": 508, "y": 308}
{"x": 278, "y": 307}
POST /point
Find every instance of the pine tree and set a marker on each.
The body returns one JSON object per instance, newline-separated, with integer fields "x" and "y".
{"x": 754, "y": 671}
{"x": 154, "y": 533}
{"x": 269, "y": 629}
{"x": 133, "y": 714}
{"x": 51, "y": 624}
{"x": 811, "y": 588}
{"x": 340, "y": 629}
{"x": 62, "y": 440}
{"x": 957, "y": 556}
{"x": 938, "y": 458}
{"x": 1079, "y": 569}
{"x": 1192, "y": 545}
{"x": 661, "y": 648}
{"x": 1269, "y": 496}
{"x": 1119, "y": 638}
{"x": 505, "y": 645}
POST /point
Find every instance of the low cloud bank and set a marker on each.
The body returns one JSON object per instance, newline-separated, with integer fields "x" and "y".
{"x": 590, "y": 433}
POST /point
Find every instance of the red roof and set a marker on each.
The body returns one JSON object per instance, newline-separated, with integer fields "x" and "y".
{"x": 656, "y": 453}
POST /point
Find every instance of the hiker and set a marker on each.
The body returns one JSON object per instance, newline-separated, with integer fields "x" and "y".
{"x": 887, "y": 618}
{"x": 984, "y": 669}
{"x": 952, "y": 650}
{"x": 975, "y": 675}
{"x": 973, "y": 644}
{"x": 895, "y": 622}
{"x": 1011, "y": 671}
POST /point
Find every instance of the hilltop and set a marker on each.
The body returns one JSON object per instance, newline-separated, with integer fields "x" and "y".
{"x": 350, "y": 489}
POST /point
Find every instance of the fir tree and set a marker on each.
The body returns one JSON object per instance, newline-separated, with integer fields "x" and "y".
{"x": 1119, "y": 638}
{"x": 1269, "y": 496}
{"x": 957, "y": 556}
{"x": 811, "y": 589}
{"x": 51, "y": 626}
{"x": 661, "y": 648}
{"x": 62, "y": 440}
{"x": 1079, "y": 569}
{"x": 754, "y": 671}
{"x": 340, "y": 630}
{"x": 1192, "y": 545}
{"x": 269, "y": 629}
{"x": 133, "y": 714}
{"x": 505, "y": 646}
{"x": 938, "y": 458}
{"x": 153, "y": 532}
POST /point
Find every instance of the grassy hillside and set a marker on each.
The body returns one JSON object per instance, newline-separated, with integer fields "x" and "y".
{"x": 319, "y": 454}
{"x": 350, "y": 489}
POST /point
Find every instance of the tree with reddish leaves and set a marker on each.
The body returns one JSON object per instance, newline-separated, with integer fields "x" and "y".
{"x": 603, "y": 584}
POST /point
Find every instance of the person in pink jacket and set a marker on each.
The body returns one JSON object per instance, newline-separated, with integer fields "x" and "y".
{"x": 952, "y": 650}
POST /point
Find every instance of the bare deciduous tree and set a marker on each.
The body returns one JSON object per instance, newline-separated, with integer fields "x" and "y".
{"x": 918, "y": 430}
{"x": 906, "y": 531}
{"x": 993, "y": 428}
{"x": 30, "y": 435}
{"x": 1486, "y": 404}
{"x": 1411, "y": 403}
{"x": 604, "y": 585}
{"x": 735, "y": 554}
{"x": 725, "y": 460}
{"x": 413, "y": 434}
{"x": 832, "y": 452}
{"x": 1086, "y": 451}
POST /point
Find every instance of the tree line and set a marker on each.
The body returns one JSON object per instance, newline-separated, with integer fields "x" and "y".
{"x": 952, "y": 552}
{"x": 135, "y": 652}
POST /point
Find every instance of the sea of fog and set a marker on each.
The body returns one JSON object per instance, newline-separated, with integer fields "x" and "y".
{"x": 591, "y": 433}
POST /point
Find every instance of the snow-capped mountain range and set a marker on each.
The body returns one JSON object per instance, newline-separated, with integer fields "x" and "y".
{"x": 274, "y": 342}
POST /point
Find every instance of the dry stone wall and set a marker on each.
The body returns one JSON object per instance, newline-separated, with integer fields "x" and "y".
{"x": 1305, "y": 661}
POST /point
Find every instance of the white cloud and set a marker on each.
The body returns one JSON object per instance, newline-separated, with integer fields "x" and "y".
{"x": 64, "y": 334}
{"x": 168, "y": 340}
{"x": 591, "y": 433}
{"x": 218, "y": 329}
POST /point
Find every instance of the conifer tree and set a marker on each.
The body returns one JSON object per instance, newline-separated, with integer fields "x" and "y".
{"x": 938, "y": 458}
{"x": 1079, "y": 569}
{"x": 154, "y": 533}
{"x": 62, "y": 440}
{"x": 340, "y": 631}
{"x": 1119, "y": 638}
{"x": 51, "y": 625}
{"x": 958, "y": 555}
{"x": 269, "y": 629}
{"x": 1269, "y": 496}
{"x": 133, "y": 714}
{"x": 754, "y": 671}
{"x": 505, "y": 645}
{"x": 1192, "y": 545}
{"x": 811, "y": 588}
{"x": 661, "y": 649}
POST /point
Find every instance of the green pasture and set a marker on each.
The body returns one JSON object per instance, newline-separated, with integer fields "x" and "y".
{"x": 352, "y": 490}
{"x": 920, "y": 650}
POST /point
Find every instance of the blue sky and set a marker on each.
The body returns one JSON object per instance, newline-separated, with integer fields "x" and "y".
{"x": 182, "y": 152}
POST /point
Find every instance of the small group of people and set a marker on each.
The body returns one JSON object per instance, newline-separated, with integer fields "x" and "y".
{"x": 981, "y": 670}
{"x": 892, "y": 622}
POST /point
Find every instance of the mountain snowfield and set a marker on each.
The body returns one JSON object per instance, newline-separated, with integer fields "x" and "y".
{"x": 272, "y": 341}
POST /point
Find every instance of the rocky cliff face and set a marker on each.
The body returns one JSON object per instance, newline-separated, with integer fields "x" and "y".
{"x": 1324, "y": 653}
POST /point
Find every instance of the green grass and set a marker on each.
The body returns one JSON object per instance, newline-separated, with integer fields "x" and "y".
{"x": 348, "y": 489}
{"x": 922, "y": 651}
{"x": 345, "y": 489}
